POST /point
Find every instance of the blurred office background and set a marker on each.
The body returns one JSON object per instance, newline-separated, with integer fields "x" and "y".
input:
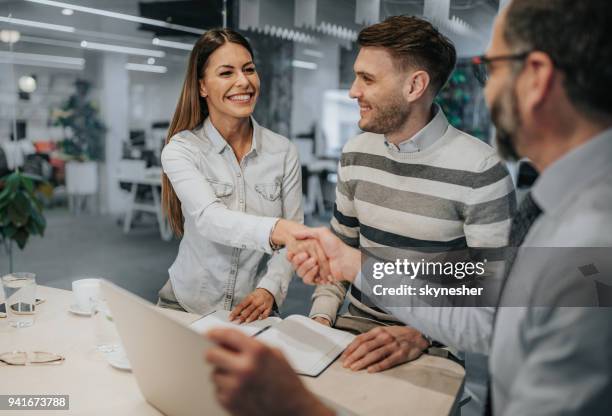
{"x": 87, "y": 90}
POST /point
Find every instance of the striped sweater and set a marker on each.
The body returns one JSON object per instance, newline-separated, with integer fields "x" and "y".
{"x": 453, "y": 193}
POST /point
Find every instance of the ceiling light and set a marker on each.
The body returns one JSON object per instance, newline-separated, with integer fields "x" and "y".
{"x": 27, "y": 84}
{"x": 172, "y": 44}
{"x": 121, "y": 16}
{"x": 312, "y": 52}
{"x": 43, "y": 64}
{"x": 122, "y": 49}
{"x": 38, "y": 25}
{"x": 113, "y": 37}
{"x": 52, "y": 61}
{"x": 49, "y": 41}
{"x": 58, "y": 42}
{"x": 9, "y": 36}
{"x": 303, "y": 64}
{"x": 67, "y": 12}
{"x": 146, "y": 68}
{"x": 151, "y": 61}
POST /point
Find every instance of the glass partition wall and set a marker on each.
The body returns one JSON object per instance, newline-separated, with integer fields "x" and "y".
{"x": 99, "y": 80}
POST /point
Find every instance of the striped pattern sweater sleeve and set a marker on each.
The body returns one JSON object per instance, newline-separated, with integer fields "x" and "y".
{"x": 456, "y": 193}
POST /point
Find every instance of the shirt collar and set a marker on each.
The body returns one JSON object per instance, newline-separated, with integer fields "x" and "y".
{"x": 219, "y": 143}
{"x": 425, "y": 137}
{"x": 559, "y": 182}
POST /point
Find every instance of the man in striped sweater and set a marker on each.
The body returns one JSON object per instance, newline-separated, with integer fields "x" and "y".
{"x": 411, "y": 181}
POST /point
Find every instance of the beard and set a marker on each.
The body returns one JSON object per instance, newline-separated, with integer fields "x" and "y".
{"x": 506, "y": 118}
{"x": 388, "y": 117}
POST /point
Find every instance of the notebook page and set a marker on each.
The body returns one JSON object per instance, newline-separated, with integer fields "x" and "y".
{"x": 220, "y": 319}
{"x": 308, "y": 346}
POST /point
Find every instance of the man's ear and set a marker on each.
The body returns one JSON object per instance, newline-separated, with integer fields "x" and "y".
{"x": 537, "y": 80}
{"x": 416, "y": 85}
{"x": 203, "y": 92}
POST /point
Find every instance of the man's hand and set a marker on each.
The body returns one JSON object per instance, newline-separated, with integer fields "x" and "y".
{"x": 285, "y": 233}
{"x": 312, "y": 248}
{"x": 322, "y": 321}
{"x": 251, "y": 377}
{"x": 384, "y": 347}
{"x": 256, "y": 305}
{"x": 344, "y": 261}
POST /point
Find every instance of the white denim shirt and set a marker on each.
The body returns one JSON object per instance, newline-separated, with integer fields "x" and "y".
{"x": 229, "y": 211}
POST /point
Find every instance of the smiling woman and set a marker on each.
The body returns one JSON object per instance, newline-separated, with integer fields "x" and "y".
{"x": 231, "y": 188}
{"x": 230, "y": 84}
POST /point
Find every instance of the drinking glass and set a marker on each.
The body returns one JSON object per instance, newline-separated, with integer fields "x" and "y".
{"x": 20, "y": 298}
{"x": 105, "y": 332}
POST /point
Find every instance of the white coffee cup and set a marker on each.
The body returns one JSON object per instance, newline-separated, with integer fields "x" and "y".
{"x": 86, "y": 292}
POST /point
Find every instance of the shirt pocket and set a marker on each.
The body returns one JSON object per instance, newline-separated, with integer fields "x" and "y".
{"x": 221, "y": 189}
{"x": 269, "y": 191}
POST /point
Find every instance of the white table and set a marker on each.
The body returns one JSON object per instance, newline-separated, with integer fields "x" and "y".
{"x": 427, "y": 386}
{"x": 151, "y": 178}
{"x": 314, "y": 197}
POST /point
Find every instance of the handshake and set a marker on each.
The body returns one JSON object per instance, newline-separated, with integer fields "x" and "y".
{"x": 317, "y": 255}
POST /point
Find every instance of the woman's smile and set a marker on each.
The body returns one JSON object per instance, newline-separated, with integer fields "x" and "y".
{"x": 241, "y": 98}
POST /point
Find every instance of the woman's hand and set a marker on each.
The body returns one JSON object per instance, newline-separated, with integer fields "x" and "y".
{"x": 284, "y": 231}
{"x": 256, "y": 305}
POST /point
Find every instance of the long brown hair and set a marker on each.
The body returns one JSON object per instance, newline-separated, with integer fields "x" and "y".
{"x": 191, "y": 109}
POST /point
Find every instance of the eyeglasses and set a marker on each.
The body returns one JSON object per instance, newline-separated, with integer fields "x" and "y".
{"x": 481, "y": 64}
{"x": 35, "y": 357}
{"x": 20, "y": 308}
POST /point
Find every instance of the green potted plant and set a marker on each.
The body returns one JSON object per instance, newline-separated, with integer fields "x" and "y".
{"x": 83, "y": 144}
{"x": 83, "y": 129}
{"x": 21, "y": 211}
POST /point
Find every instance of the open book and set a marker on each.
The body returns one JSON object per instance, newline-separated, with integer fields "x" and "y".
{"x": 308, "y": 346}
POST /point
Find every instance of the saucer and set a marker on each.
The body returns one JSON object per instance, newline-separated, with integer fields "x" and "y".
{"x": 77, "y": 311}
{"x": 119, "y": 360}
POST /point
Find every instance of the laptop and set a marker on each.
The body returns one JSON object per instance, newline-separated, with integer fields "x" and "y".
{"x": 167, "y": 357}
